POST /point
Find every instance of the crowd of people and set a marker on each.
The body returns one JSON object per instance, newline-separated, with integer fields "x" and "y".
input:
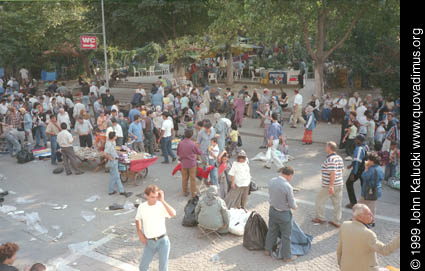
{"x": 370, "y": 135}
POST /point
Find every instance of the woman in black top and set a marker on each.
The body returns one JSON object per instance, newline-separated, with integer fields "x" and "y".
{"x": 283, "y": 100}
{"x": 254, "y": 101}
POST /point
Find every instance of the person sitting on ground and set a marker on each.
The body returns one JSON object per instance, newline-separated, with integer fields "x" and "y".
{"x": 358, "y": 245}
{"x": 211, "y": 211}
{"x": 7, "y": 256}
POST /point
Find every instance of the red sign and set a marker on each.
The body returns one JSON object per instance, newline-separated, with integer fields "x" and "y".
{"x": 88, "y": 42}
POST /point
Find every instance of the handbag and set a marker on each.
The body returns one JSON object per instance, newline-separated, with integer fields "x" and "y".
{"x": 371, "y": 192}
{"x": 239, "y": 141}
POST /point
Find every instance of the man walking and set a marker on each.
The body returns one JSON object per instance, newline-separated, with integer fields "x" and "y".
{"x": 297, "y": 109}
{"x": 151, "y": 214}
{"x": 282, "y": 201}
{"x": 66, "y": 140}
{"x": 187, "y": 151}
{"x": 167, "y": 130}
{"x": 357, "y": 167}
{"x": 135, "y": 131}
{"x": 273, "y": 135}
{"x": 332, "y": 184}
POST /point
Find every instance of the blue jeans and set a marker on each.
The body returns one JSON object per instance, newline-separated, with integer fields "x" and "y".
{"x": 13, "y": 145}
{"x": 254, "y": 110}
{"x": 114, "y": 177}
{"x": 53, "y": 148}
{"x": 213, "y": 173}
{"x": 40, "y": 131}
{"x": 326, "y": 114}
{"x": 390, "y": 170}
{"x": 166, "y": 148}
{"x": 280, "y": 224}
{"x": 162, "y": 246}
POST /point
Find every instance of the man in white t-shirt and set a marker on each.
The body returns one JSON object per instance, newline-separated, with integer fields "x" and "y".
{"x": 93, "y": 89}
{"x": 141, "y": 91}
{"x": 297, "y": 109}
{"x": 102, "y": 89}
{"x": 167, "y": 130}
{"x": 151, "y": 214}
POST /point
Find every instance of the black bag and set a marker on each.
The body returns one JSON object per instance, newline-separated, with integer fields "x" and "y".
{"x": 252, "y": 187}
{"x": 189, "y": 219}
{"x": 58, "y": 170}
{"x": 239, "y": 141}
{"x": 255, "y": 232}
{"x": 24, "y": 156}
{"x": 371, "y": 191}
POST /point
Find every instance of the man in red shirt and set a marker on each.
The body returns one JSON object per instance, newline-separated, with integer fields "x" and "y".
{"x": 187, "y": 151}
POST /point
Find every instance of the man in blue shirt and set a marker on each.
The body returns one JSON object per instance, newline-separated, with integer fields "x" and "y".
{"x": 135, "y": 111}
{"x": 157, "y": 100}
{"x": 357, "y": 167}
{"x": 274, "y": 133}
{"x": 135, "y": 132}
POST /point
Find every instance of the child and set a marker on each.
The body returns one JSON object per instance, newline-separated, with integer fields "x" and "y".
{"x": 234, "y": 134}
{"x": 379, "y": 136}
{"x": 351, "y": 133}
{"x": 213, "y": 152}
{"x": 391, "y": 167}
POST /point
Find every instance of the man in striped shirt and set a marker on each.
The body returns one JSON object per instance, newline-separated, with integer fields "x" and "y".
{"x": 332, "y": 184}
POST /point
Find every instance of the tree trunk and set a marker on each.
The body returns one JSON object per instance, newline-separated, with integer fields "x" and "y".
{"x": 229, "y": 79}
{"x": 86, "y": 64}
{"x": 318, "y": 78}
{"x": 179, "y": 70}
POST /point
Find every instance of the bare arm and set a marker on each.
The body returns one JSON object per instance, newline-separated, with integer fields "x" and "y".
{"x": 142, "y": 237}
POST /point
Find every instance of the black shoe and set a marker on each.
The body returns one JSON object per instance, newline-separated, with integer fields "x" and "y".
{"x": 4, "y": 193}
{"x": 174, "y": 159}
{"x": 126, "y": 194}
{"x": 110, "y": 194}
{"x": 79, "y": 173}
{"x": 263, "y": 147}
{"x": 68, "y": 173}
{"x": 165, "y": 162}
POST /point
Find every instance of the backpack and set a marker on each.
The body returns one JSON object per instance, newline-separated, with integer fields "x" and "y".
{"x": 189, "y": 219}
{"x": 136, "y": 98}
{"x": 255, "y": 232}
{"x": 24, "y": 156}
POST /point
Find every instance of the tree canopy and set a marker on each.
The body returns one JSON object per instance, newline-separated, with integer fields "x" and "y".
{"x": 360, "y": 34}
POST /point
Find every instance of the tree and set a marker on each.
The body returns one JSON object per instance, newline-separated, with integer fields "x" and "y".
{"x": 324, "y": 25}
{"x": 228, "y": 23}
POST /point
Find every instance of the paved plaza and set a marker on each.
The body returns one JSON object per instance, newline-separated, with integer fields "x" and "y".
{"x": 112, "y": 243}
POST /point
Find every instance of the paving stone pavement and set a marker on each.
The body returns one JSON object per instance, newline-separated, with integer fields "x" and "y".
{"x": 189, "y": 251}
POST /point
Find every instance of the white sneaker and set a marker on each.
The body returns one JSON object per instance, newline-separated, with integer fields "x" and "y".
{"x": 348, "y": 158}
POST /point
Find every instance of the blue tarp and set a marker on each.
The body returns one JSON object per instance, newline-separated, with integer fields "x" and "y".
{"x": 300, "y": 242}
{"x": 48, "y": 76}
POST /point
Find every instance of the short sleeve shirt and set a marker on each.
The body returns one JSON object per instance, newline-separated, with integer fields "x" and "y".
{"x": 152, "y": 218}
{"x": 167, "y": 126}
{"x": 335, "y": 163}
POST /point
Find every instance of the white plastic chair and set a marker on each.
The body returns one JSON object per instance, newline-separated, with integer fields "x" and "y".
{"x": 151, "y": 70}
{"x": 212, "y": 76}
{"x": 136, "y": 72}
{"x": 254, "y": 78}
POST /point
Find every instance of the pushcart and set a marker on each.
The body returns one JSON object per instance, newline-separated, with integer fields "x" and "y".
{"x": 137, "y": 168}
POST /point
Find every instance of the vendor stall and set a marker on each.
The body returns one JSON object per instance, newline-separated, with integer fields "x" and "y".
{"x": 134, "y": 165}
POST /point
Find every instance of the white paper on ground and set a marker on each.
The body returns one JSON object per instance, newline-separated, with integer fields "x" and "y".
{"x": 87, "y": 215}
